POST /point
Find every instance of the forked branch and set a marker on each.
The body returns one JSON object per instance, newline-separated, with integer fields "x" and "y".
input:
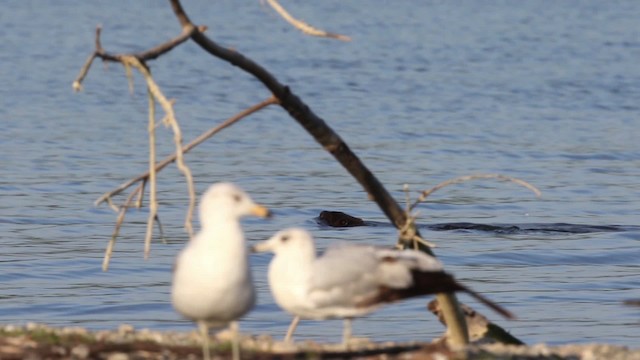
{"x": 137, "y": 61}
{"x": 143, "y": 56}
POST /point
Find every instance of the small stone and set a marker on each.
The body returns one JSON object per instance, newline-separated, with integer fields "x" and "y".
{"x": 101, "y": 335}
{"x": 125, "y": 329}
{"x": 11, "y": 328}
{"x": 142, "y": 354}
{"x": 439, "y": 356}
{"x": 225, "y": 335}
{"x": 284, "y": 347}
{"x": 74, "y": 330}
{"x": 147, "y": 334}
{"x": 59, "y": 350}
{"x": 265, "y": 338}
{"x": 80, "y": 351}
{"x": 118, "y": 356}
{"x": 359, "y": 342}
{"x": 10, "y": 351}
{"x": 31, "y": 356}
{"x": 15, "y": 340}
{"x": 27, "y": 343}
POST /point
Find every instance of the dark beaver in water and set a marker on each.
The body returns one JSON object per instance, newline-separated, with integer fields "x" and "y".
{"x": 339, "y": 219}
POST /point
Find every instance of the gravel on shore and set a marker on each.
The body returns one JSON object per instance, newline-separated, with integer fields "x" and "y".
{"x": 38, "y": 341}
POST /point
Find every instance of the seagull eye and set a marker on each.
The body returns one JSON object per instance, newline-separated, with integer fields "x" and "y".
{"x": 237, "y": 198}
{"x": 284, "y": 238}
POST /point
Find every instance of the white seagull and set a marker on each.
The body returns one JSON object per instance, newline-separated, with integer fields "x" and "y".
{"x": 212, "y": 282}
{"x": 349, "y": 280}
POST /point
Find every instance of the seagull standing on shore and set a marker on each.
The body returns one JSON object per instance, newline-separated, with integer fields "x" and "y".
{"x": 212, "y": 282}
{"x": 349, "y": 280}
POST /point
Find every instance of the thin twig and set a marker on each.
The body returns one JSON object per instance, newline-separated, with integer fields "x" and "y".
{"x": 407, "y": 197}
{"x": 153, "y": 199}
{"x": 423, "y": 196}
{"x": 304, "y": 27}
{"x": 113, "y": 206}
{"x": 77, "y": 83}
{"x": 123, "y": 210}
{"x": 408, "y": 234}
{"x": 140, "y": 199}
{"x": 129, "y": 74}
{"x": 160, "y": 229}
{"x": 195, "y": 142}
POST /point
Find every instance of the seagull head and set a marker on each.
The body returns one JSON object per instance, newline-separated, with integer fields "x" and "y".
{"x": 291, "y": 242}
{"x": 226, "y": 200}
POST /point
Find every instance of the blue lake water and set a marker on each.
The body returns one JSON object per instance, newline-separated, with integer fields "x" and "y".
{"x": 545, "y": 91}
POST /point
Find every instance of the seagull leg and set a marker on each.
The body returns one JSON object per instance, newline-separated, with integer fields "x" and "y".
{"x": 235, "y": 342}
{"x": 204, "y": 332}
{"x": 292, "y": 328}
{"x": 346, "y": 333}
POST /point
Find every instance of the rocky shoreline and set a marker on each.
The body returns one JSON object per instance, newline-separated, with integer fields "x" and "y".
{"x": 38, "y": 341}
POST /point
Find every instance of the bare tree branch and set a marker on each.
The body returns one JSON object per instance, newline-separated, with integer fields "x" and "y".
{"x": 311, "y": 122}
{"x": 155, "y": 94}
{"x": 167, "y": 106}
{"x": 331, "y": 142}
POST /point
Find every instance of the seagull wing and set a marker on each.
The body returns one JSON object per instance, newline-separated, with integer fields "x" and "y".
{"x": 344, "y": 276}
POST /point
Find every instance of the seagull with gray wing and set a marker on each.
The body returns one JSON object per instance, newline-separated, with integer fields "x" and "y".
{"x": 350, "y": 280}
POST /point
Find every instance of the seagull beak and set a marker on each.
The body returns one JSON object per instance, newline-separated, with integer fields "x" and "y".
{"x": 263, "y": 246}
{"x": 261, "y": 211}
